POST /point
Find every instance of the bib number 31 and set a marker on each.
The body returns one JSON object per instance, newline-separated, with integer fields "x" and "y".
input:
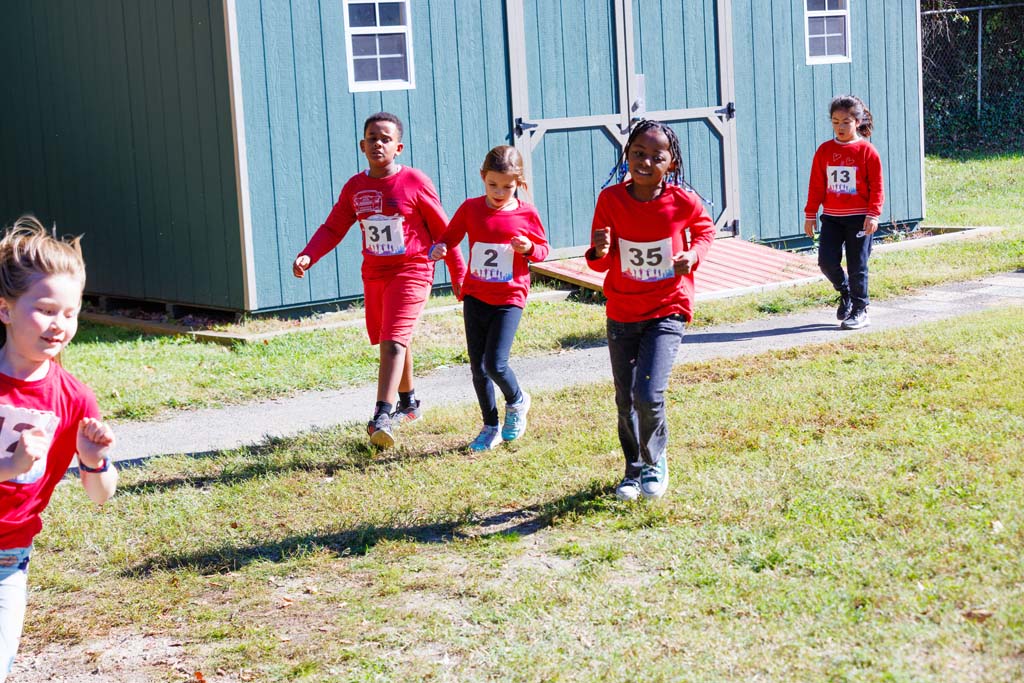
{"x": 384, "y": 235}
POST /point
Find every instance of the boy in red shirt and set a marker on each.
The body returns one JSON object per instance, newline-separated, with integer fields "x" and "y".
{"x": 401, "y": 217}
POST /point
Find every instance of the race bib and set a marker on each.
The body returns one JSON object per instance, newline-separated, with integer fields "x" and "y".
{"x": 491, "y": 262}
{"x": 14, "y": 421}
{"x": 646, "y": 261}
{"x": 842, "y": 179}
{"x": 384, "y": 235}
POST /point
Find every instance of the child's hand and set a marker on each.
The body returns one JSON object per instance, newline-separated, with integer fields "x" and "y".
{"x": 810, "y": 225}
{"x": 684, "y": 263}
{"x": 602, "y": 241}
{"x": 32, "y": 445}
{"x": 438, "y": 252}
{"x": 870, "y": 225}
{"x": 457, "y": 290}
{"x": 95, "y": 439}
{"x": 521, "y": 244}
{"x": 300, "y": 266}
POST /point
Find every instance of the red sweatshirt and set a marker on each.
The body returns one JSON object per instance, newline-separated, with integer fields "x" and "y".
{"x": 400, "y": 216}
{"x": 497, "y": 275}
{"x": 847, "y": 179}
{"x": 645, "y": 237}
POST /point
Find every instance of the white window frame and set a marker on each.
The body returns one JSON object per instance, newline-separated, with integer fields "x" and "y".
{"x": 351, "y": 31}
{"x": 826, "y": 14}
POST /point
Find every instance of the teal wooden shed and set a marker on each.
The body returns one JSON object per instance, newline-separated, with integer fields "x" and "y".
{"x": 199, "y": 143}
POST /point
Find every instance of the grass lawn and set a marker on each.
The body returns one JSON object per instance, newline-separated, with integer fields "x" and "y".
{"x": 847, "y": 512}
{"x": 137, "y": 376}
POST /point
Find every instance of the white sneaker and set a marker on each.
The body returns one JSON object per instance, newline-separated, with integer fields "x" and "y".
{"x": 515, "y": 418}
{"x": 628, "y": 489}
{"x": 488, "y": 438}
{"x": 654, "y": 478}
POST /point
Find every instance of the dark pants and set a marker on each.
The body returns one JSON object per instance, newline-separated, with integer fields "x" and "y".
{"x": 642, "y": 355}
{"x": 489, "y": 334}
{"x": 837, "y": 232}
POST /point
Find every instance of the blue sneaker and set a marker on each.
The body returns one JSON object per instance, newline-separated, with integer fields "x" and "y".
{"x": 488, "y": 438}
{"x": 515, "y": 419}
{"x": 654, "y": 478}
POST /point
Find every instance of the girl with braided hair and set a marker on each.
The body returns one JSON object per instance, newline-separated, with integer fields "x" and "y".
{"x": 639, "y": 238}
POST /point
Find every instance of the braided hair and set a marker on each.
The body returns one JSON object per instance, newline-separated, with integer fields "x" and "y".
{"x": 674, "y": 177}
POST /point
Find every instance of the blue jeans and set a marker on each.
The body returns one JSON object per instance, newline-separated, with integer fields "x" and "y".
{"x": 642, "y": 355}
{"x": 490, "y": 331}
{"x": 13, "y": 593}
{"x": 838, "y": 232}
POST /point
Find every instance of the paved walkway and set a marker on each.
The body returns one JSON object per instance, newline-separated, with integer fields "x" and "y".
{"x": 206, "y": 430}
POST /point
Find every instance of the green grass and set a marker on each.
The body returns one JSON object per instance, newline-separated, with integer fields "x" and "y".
{"x": 835, "y": 514}
{"x": 137, "y": 376}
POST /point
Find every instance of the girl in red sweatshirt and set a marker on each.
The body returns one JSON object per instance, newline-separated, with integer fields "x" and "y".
{"x": 505, "y": 234}
{"x": 846, "y": 177}
{"x": 640, "y": 239}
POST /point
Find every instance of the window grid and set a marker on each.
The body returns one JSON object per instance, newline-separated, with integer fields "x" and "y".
{"x": 827, "y": 29}
{"x": 378, "y": 43}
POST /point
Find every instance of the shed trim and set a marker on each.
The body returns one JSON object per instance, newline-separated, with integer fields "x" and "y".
{"x": 241, "y": 159}
{"x": 920, "y": 104}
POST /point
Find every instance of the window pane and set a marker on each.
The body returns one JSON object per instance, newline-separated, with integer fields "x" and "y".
{"x": 815, "y": 26}
{"x": 363, "y": 46}
{"x": 365, "y": 69}
{"x": 837, "y": 4}
{"x": 392, "y": 44}
{"x": 817, "y": 47}
{"x": 835, "y": 25}
{"x": 362, "y": 14}
{"x": 837, "y": 45}
{"x": 815, "y": 5}
{"x": 392, "y": 14}
{"x": 393, "y": 68}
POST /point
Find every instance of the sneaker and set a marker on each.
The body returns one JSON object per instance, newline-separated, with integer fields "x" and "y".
{"x": 628, "y": 489}
{"x": 845, "y": 306}
{"x": 654, "y": 479}
{"x": 379, "y": 429}
{"x": 857, "y": 320}
{"x": 515, "y": 419}
{"x": 406, "y": 414}
{"x": 488, "y": 438}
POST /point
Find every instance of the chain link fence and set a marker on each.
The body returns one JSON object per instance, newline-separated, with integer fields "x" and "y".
{"x": 973, "y": 79}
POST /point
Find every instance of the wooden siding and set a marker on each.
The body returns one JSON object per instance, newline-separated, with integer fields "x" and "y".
{"x": 783, "y": 103}
{"x": 303, "y": 125}
{"x": 123, "y": 132}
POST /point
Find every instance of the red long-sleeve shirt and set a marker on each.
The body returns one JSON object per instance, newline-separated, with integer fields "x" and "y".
{"x": 645, "y": 238}
{"x": 847, "y": 179}
{"x": 400, "y": 216}
{"x": 497, "y": 275}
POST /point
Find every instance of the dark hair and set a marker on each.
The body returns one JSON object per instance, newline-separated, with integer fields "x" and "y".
{"x": 675, "y": 177}
{"x": 858, "y": 110}
{"x": 384, "y": 116}
{"x": 505, "y": 159}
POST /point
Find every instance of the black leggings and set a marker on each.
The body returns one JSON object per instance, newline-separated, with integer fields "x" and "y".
{"x": 489, "y": 334}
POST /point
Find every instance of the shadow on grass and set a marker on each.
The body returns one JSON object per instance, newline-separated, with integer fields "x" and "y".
{"x": 276, "y": 456}
{"x": 722, "y": 337}
{"x": 572, "y": 342}
{"x": 360, "y": 539}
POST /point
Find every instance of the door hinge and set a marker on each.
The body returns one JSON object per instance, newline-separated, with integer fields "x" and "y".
{"x": 728, "y": 111}
{"x": 522, "y": 126}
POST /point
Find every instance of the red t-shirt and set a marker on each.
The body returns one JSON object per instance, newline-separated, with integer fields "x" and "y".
{"x": 497, "y": 275}
{"x": 55, "y": 404}
{"x": 847, "y": 179}
{"x": 645, "y": 238}
{"x": 400, "y": 216}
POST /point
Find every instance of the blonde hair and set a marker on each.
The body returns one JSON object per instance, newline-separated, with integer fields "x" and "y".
{"x": 505, "y": 159}
{"x": 28, "y": 252}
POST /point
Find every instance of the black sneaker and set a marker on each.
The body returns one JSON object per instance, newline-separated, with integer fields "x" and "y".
{"x": 857, "y": 320}
{"x": 379, "y": 429}
{"x": 845, "y": 306}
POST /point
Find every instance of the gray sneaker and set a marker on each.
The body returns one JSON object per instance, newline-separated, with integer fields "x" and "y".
{"x": 845, "y": 306}
{"x": 654, "y": 478}
{"x": 628, "y": 489}
{"x": 857, "y": 320}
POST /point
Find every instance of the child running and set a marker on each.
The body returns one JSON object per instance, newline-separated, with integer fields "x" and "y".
{"x": 46, "y": 415}
{"x": 401, "y": 217}
{"x": 846, "y": 177}
{"x": 505, "y": 234}
{"x": 639, "y": 237}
